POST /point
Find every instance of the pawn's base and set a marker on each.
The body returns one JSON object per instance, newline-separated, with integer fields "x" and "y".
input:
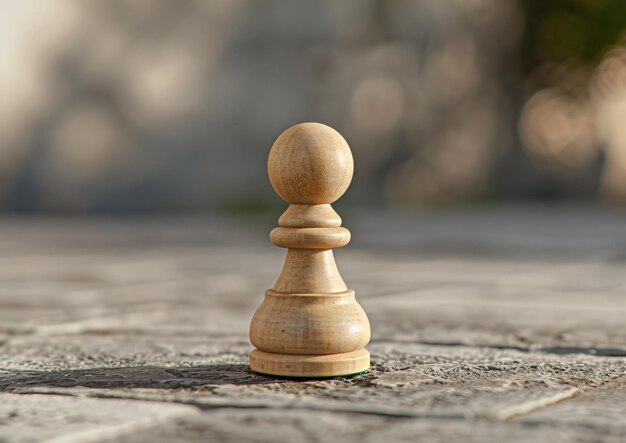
{"x": 310, "y": 366}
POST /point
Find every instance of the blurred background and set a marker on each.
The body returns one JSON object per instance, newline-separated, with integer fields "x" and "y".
{"x": 157, "y": 106}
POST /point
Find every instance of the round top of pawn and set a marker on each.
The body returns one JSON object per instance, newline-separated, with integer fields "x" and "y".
{"x": 310, "y": 164}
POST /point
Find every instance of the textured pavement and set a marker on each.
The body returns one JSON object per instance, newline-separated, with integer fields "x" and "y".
{"x": 506, "y": 324}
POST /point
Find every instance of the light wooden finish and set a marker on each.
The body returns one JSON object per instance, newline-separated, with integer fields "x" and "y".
{"x": 313, "y": 330}
{"x": 310, "y": 164}
{"x": 294, "y": 365}
{"x": 310, "y": 324}
{"x": 310, "y": 238}
{"x": 309, "y": 216}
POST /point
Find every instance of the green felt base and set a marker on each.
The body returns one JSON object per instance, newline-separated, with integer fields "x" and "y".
{"x": 284, "y": 377}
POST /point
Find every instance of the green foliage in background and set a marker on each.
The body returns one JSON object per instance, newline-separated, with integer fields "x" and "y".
{"x": 577, "y": 31}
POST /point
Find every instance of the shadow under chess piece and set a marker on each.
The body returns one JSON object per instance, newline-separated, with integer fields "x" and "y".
{"x": 310, "y": 324}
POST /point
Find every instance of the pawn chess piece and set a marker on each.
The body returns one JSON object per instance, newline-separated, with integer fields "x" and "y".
{"x": 310, "y": 324}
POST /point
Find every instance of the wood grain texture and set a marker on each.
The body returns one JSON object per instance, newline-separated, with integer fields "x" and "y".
{"x": 310, "y": 324}
{"x": 309, "y": 216}
{"x": 287, "y": 333}
{"x": 310, "y": 238}
{"x": 309, "y": 271}
{"x": 310, "y": 164}
{"x": 309, "y": 365}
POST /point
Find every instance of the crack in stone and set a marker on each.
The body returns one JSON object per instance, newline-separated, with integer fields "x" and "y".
{"x": 374, "y": 410}
{"x": 135, "y": 377}
{"x": 533, "y": 405}
{"x": 31, "y": 383}
{"x": 557, "y": 350}
{"x": 574, "y": 393}
{"x": 221, "y": 403}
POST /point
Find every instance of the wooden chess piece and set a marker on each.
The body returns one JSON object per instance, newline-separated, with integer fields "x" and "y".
{"x": 310, "y": 324}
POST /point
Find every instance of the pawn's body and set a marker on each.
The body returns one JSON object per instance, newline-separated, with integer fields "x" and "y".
{"x": 309, "y": 324}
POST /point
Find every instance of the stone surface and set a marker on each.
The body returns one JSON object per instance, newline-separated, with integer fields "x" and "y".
{"x": 601, "y": 410}
{"x": 68, "y": 419}
{"x": 236, "y": 425}
{"x": 487, "y": 326}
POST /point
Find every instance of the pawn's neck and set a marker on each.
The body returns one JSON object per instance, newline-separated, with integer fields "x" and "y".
{"x": 309, "y": 216}
{"x": 310, "y": 232}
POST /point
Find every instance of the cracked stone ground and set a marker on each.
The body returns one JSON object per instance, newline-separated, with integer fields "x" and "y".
{"x": 488, "y": 326}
